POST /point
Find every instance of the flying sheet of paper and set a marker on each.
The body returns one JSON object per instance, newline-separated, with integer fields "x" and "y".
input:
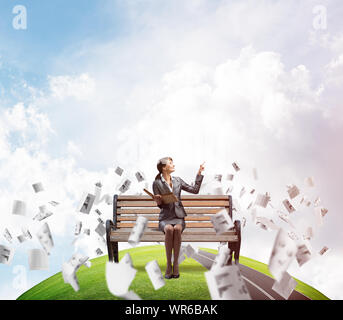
{"x": 119, "y": 171}
{"x": 106, "y": 197}
{"x": 244, "y": 221}
{"x": 254, "y": 173}
{"x": 189, "y": 250}
{"x": 26, "y": 235}
{"x": 97, "y": 211}
{"x": 266, "y": 223}
{"x": 155, "y": 274}
{"x": 285, "y": 286}
{"x": 293, "y": 191}
{"x": 77, "y": 260}
{"x": 78, "y": 227}
{"x": 235, "y": 166}
{"x": 70, "y": 268}
{"x": 7, "y": 235}
{"x": 218, "y": 191}
{"x": 308, "y": 233}
{"x": 181, "y": 257}
{"x": 324, "y": 211}
{"x": 45, "y": 238}
{"x": 69, "y": 276}
{"x": 38, "y": 259}
{"x": 318, "y": 216}
{"x": 140, "y": 176}
{"x": 19, "y": 208}
{"x": 86, "y": 203}
{"x": 323, "y": 250}
{"x": 98, "y": 252}
{"x": 43, "y": 214}
{"x": 6, "y": 254}
{"x": 235, "y": 205}
{"x": 317, "y": 201}
{"x": 221, "y": 258}
{"x": 303, "y": 254}
{"x": 119, "y": 277}
{"x": 283, "y": 253}
{"x": 285, "y": 217}
{"x": 138, "y": 230}
{"x": 126, "y": 260}
{"x": 309, "y": 182}
{"x": 226, "y": 283}
{"x": 101, "y": 221}
{"x": 54, "y": 203}
{"x": 218, "y": 177}
{"x": 221, "y": 221}
{"x": 229, "y": 176}
{"x": 292, "y": 235}
{"x": 262, "y": 200}
{"x": 250, "y": 205}
{"x": 288, "y": 206}
{"x": 124, "y": 186}
{"x": 38, "y": 187}
{"x": 100, "y": 229}
{"x": 229, "y": 189}
{"x": 21, "y": 238}
{"x": 242, "y": 192}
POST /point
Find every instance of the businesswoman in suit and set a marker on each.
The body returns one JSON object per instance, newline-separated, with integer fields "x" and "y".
{"x": 171, "y": 218}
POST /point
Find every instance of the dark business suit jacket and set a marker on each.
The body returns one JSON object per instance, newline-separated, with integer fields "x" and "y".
{"x": 171, "y": 210}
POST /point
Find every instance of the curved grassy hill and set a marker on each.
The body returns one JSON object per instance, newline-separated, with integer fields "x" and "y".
{"x": 190, "y": 286}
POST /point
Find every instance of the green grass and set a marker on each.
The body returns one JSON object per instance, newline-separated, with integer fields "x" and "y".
{"x": 190, "y": 286}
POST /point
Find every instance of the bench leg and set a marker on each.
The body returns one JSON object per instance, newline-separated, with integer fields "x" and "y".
{"x": 229, "y": 261}
{"x": 115, "y": 251}
{"x": 110, "y": 251}
{"x": 235, "y": 247}
{"x": 111, "y": 246}
{"x": 237, "y": 224}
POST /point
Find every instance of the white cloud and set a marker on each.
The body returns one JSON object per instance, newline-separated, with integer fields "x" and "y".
{"x": 32, "y": 127}
{"x": 80, "y": 87}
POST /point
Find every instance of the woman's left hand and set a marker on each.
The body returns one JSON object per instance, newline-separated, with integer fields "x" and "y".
{"x": 202, "y": 168}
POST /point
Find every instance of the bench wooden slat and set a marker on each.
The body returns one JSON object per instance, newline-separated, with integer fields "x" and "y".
{"x": 155, "y": 218}
{"x": 185, "y": 238}
{"x": 187, "y": 203}
{"x": 188, "y": 235}
{"x": 155, "y": 225}
{"x": 204, "y": 231}
{"x": 188, "y": 210}
{"x": 183, "y": 197}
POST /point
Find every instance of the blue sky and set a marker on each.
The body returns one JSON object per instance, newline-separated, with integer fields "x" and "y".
{"x": 53, "y": 27}
{"x": 94, "y": 84}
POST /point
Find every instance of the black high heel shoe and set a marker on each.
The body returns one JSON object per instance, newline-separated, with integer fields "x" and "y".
{"x": 175, "y": 275}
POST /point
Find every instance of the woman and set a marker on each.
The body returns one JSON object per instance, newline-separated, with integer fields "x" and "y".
{"x": 171, "y": 218}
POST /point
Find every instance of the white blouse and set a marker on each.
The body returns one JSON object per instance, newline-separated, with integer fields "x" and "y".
{"x": 171, "y": 180}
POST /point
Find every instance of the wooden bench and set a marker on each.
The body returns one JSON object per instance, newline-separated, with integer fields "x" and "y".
{"x": 199, "y": 228}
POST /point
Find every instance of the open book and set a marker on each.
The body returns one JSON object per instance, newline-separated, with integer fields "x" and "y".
{"x": 166, "y": 198}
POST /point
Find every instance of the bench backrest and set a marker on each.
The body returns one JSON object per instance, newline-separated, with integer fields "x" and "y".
{"x": 199, "y": 209}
